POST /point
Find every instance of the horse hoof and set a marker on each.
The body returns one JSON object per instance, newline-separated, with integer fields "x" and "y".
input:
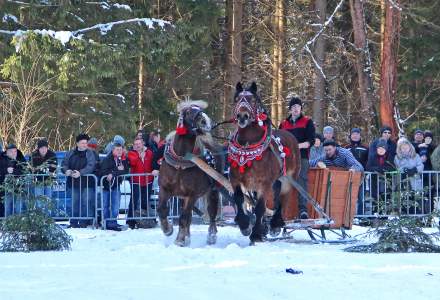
{"x": 246, "y": 231}
{"x": 274, "y": 232}
{"x": 167, "y": 231}
{"x": 183, "y": 243}
{"x": 212, "y": 239}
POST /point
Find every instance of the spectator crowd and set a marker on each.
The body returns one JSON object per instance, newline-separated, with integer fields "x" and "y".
{"x": 409, "y": 156}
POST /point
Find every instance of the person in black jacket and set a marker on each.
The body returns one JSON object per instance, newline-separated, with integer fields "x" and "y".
{"x": 12, "y": 163}
{"x": 79, "y": 165}
{"x": 385, "y": 134}
{"x": 379, "y": 163}
{"x": 44, "y": 165}
{"x": 303, "y": 129}
{"x": 359, "y": 150}
{"x": 112, "y": 168}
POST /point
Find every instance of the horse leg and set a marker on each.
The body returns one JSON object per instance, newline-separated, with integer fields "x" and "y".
{"x": 276, "y": 222}
{"x": 183, "y": 236}
{"x": 241, "y": 218}
{"x": 213, "y": 200}
{"x": 163, "y": 212}
{"x": 258, "y": 231}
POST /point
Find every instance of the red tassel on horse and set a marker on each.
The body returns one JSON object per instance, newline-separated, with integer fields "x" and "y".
{"x": 241, "y": 169}
{"x": 181, "y": 130}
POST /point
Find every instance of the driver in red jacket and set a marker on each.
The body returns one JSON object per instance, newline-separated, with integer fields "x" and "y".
{"x": 141, "y": 162}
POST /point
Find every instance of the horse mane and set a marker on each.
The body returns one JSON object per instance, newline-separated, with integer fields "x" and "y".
{"x": 186, "y": 104}
{"x": 202, "y": 141}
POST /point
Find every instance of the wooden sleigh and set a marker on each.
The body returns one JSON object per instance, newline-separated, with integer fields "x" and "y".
{"x": 332, "y": 198}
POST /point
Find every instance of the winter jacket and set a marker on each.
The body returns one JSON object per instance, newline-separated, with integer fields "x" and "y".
{"x": 85, "y": 163}
{"x": 359, "y": 151}
{"x": 410, "y": 167}
{"x": 427, "y": 152}
{"x": 391, "y": 149}
{"x": 316, "y": 152}
{"x": 139, "y": 166}
{"x": 435, "y": 159}
{"x": 380, "y": 164}
{"x": 46, "y": 165}
{"x": 342, "y": 159}
{"x": 109, "y": 165}
{"x": 303, "y": 129}
{"x": 17, "y": 164}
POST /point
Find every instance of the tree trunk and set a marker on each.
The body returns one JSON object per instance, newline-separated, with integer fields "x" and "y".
{"x": 319, "y": 80}
{"x": 234, "y": 12}
{"x": 388, "y": 76}
{"x": 363, "y": 66}
{"x": 141, "y": 90}
{"x": 277, "y": 111}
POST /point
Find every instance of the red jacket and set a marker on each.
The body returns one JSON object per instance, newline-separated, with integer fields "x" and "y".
{"x": 138, "y": 166}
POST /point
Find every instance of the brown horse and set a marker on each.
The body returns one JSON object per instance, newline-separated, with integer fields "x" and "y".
{"x": 259, "y": 157}
{"x": 181, "y": 178}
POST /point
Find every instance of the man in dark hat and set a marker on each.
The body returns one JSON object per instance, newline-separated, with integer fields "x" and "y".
{"x": 79, "y": 165}
{"x": 359, "y": 150}
{"x": 385, "y": 134}
{"x": 44, "y": 165}
{"x": 303, "y": 129}
{"x": 11, "y": 164}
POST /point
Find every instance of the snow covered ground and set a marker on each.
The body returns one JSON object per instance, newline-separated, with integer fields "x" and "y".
{"x": 143, "y": 264}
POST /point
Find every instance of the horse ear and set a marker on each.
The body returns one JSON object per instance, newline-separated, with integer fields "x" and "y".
{"x": 253, "y": 89}
{"x": 239, "y": 87}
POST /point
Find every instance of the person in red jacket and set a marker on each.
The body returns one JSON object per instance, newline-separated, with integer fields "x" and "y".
{"x": 141, "y": 162}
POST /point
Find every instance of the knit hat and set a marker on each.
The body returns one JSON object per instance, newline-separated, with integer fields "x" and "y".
{"x": 428, "y": 133}
{"x": 82, "y": 136}
{"x": 119, "y": 140}
{"x": 93, "y": 143}
{"x": 42, "y": 143}
{"x": 328, "y": 129}
{"x": 11, "y": 146}
{"x": 357, "y": 130}
{"x": 418, "y": 130}
{"x": 329, "y": 143}
{"x": 319, "y": 136}
{"x": 293, "y": 101}
{"x": 385, "y": 128}
{"x": 382, "y": 144}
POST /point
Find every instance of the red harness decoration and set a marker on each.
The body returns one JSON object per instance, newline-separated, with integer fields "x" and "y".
{"x": 241, "y": 157}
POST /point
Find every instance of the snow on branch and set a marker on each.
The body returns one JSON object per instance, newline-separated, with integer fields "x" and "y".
{"x": 313, "y": 40}
{"x": 106, "y": 5}
{"x": 394, "y": 4}
{"x": 65, "y": 36}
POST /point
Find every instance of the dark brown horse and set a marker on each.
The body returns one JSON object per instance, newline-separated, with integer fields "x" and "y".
{"x": 181, "y": 178}
{"x": 259, "y": 157}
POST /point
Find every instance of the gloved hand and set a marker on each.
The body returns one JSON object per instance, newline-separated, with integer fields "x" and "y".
{"x": 412, "y": 171}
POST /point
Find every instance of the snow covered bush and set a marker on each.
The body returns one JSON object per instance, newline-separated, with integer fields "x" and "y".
{"x": 31, "y": 229}
{"x": 400, "y": 234}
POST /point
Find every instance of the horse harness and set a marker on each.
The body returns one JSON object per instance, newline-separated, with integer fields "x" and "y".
{"x": 241, "y": 157}
{"x": 180, "y": 163}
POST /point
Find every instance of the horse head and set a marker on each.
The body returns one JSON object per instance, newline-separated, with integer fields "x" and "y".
{"x": 248, "y": 107}
{"x": 192, "y": 119}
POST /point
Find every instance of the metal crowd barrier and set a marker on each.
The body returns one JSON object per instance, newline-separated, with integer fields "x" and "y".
{"x": 123, "y": 198}
{"x": 86, "y": 199}
{"x": 395, "y": 193}
{"x": 61, "y": 197}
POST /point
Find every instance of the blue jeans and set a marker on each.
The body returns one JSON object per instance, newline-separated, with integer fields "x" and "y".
{"x": 44, "y": 204}
{"x": 83, "y": 204}
{"x": 13, "y": 204}
{"x": 110, "y": 207}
